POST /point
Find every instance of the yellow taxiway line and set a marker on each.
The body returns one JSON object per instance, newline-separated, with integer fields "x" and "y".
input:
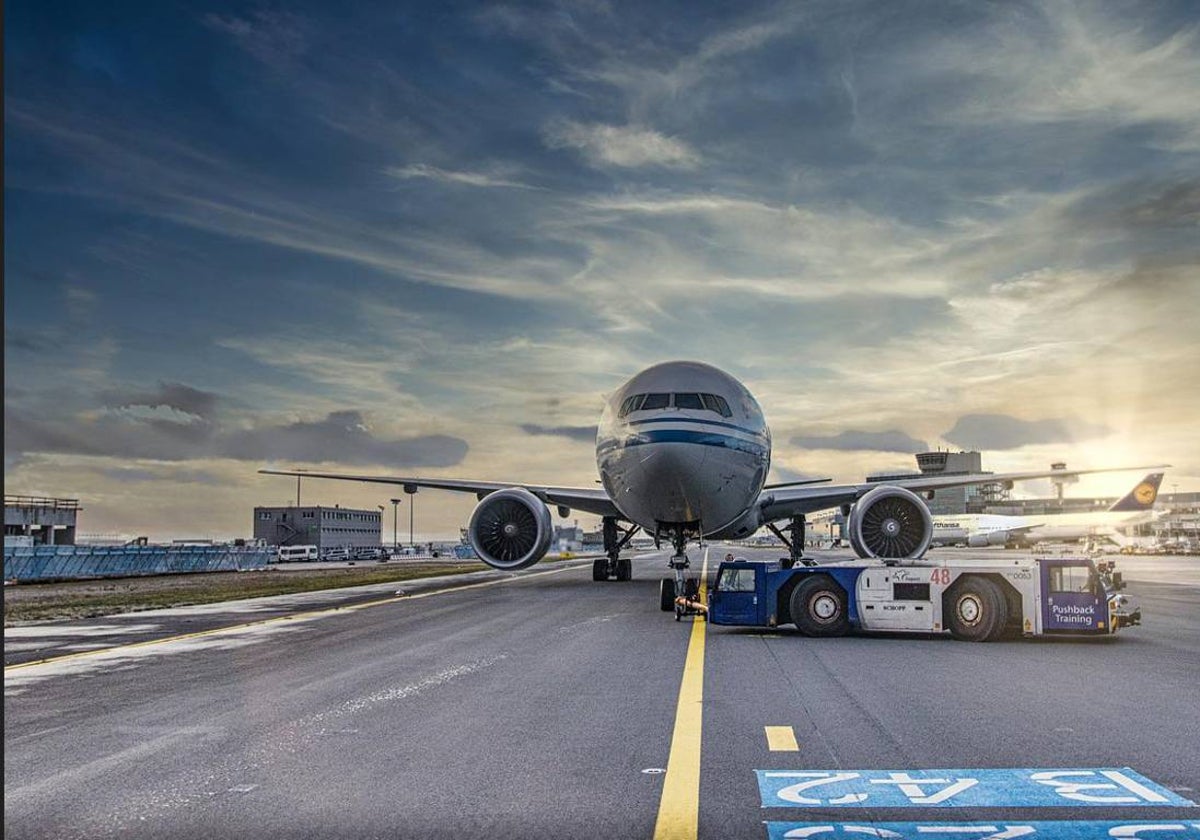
{"x": 391, "y": 599}
{"x": 781, "y": 739}
{"x": 679, "y": 808}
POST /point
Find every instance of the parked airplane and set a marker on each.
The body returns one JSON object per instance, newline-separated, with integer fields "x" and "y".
{"x": 978, "y": 530}
{"x": 683, "y": 451}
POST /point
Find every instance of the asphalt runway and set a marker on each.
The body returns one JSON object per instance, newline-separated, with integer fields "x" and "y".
{"x": 546, "y": 705}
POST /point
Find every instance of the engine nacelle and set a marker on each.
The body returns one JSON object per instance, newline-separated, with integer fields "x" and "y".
{"x": 890, "y": 523}
{"x": 510, "y": 529}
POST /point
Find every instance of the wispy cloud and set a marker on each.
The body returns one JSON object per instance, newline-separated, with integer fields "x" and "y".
{"x": 276, "y": 38}
{"x": 470, "y": 179}
{"x": 623, "y": 146}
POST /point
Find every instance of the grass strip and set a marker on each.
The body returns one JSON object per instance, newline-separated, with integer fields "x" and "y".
{"x": 89, "y": 599}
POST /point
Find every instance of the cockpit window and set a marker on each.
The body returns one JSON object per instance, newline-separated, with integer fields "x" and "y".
{"x": 714, "y": 403}
{"x": 694, "y": 402}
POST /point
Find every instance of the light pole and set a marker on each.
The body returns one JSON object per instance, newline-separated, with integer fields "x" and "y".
{"x": 395, "y": 512}
{"x": 411, "y": 490}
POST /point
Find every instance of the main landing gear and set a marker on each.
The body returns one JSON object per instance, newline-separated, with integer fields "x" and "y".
{"x": 613, "y": 565}
{"x": 794, "y": 542}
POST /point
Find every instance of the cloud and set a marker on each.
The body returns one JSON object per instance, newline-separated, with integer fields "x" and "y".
{"x": 137, "y": 475}
{"x": 341, "y": 437}
{"x": 890, "y": 441}
{"x": 275, "y": 38}
{"x": 1000, "y": 431}
{"x": 586, "y": 434}
{"x": 1138, "y": 207}
{"x": 624, "y": 146}
{"x": 784, "y": 475}
{"x": 174, "y": 395}
{"x": 470, "y": 179}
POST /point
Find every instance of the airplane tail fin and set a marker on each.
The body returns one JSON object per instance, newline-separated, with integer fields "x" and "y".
{"x": 1142, "y": 496}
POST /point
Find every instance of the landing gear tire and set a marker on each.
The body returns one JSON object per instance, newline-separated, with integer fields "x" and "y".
{"x": 975, "y": 610}
{"x": 624, "y": 569}
{"x": 600, "y": 569}
{"x": 819, "y": 607}
{"x": 666, "y": 594}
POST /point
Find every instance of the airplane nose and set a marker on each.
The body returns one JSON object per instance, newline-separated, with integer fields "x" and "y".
{"x": 674, "y": 471}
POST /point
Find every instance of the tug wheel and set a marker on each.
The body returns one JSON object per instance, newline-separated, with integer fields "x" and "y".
{"x": 818, "y": 607}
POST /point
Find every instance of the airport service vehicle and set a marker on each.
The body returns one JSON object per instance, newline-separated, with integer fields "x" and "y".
{"x": 976, "y": 600}
{"x": 288, "y": 553}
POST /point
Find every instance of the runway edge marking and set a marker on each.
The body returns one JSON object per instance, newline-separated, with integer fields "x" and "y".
{"x": 679, "y": 807}
{"x": 53, "y": 660}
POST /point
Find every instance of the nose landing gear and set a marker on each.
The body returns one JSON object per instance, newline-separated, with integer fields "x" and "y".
{"x": 680, "y": 593}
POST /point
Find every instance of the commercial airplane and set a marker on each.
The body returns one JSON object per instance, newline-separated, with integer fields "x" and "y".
{"x": 683, "y": 451}
{"x": 978, "y": 530}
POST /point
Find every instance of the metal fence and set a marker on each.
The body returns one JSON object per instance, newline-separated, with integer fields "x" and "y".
{"x": 64, "y": 562}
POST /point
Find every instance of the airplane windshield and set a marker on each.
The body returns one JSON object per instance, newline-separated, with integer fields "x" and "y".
{"x": 692, "y": 402}
{"x": 715, "y": 403}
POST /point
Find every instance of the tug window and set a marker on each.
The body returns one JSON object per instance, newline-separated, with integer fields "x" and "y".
{"x": 691, "y": 401}
{"x": 1071, "y": 579}
{"x": 736, "y": 580}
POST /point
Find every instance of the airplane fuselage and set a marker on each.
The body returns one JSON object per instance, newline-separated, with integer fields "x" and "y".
{"x": 683, "y": 444}
{"x": 1062, "y": 527}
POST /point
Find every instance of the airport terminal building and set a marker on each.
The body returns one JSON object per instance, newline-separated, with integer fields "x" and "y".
{"x": 324, "y": 527}
{"x": 36, "y": 520}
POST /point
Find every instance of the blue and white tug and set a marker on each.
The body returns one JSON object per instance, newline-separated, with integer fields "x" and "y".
{"x": 975, "y": 599}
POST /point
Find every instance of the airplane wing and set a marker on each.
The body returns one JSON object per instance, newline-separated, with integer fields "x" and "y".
{"x": 786, "y": 502}
{"x": 587, "y": 499}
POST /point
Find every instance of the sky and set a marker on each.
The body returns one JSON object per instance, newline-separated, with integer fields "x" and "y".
{"x": 430, "y": 239}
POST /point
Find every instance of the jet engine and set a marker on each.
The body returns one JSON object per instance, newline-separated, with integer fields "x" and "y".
{"x": 984, "y": 540}
{"x": 890, "y": 523}
{"x": 510, "y": 529}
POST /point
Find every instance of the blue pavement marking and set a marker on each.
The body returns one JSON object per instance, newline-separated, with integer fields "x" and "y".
{"x": 1000, "y": 830}
{"x": 961, "y": 788}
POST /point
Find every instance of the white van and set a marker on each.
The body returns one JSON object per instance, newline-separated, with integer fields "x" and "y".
{"x": 288, "y": 553}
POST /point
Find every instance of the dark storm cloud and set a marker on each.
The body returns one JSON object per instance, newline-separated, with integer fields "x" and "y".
{"x": 587, "y": 434}
{"x": 174, "y": 395}
{"x": 342, "y": 437}
{"x": 1000, "y": 431}
{"x": 136, "y": 475}
{"x": 1139, "y": 207}
{"x": 892, "y": 440}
